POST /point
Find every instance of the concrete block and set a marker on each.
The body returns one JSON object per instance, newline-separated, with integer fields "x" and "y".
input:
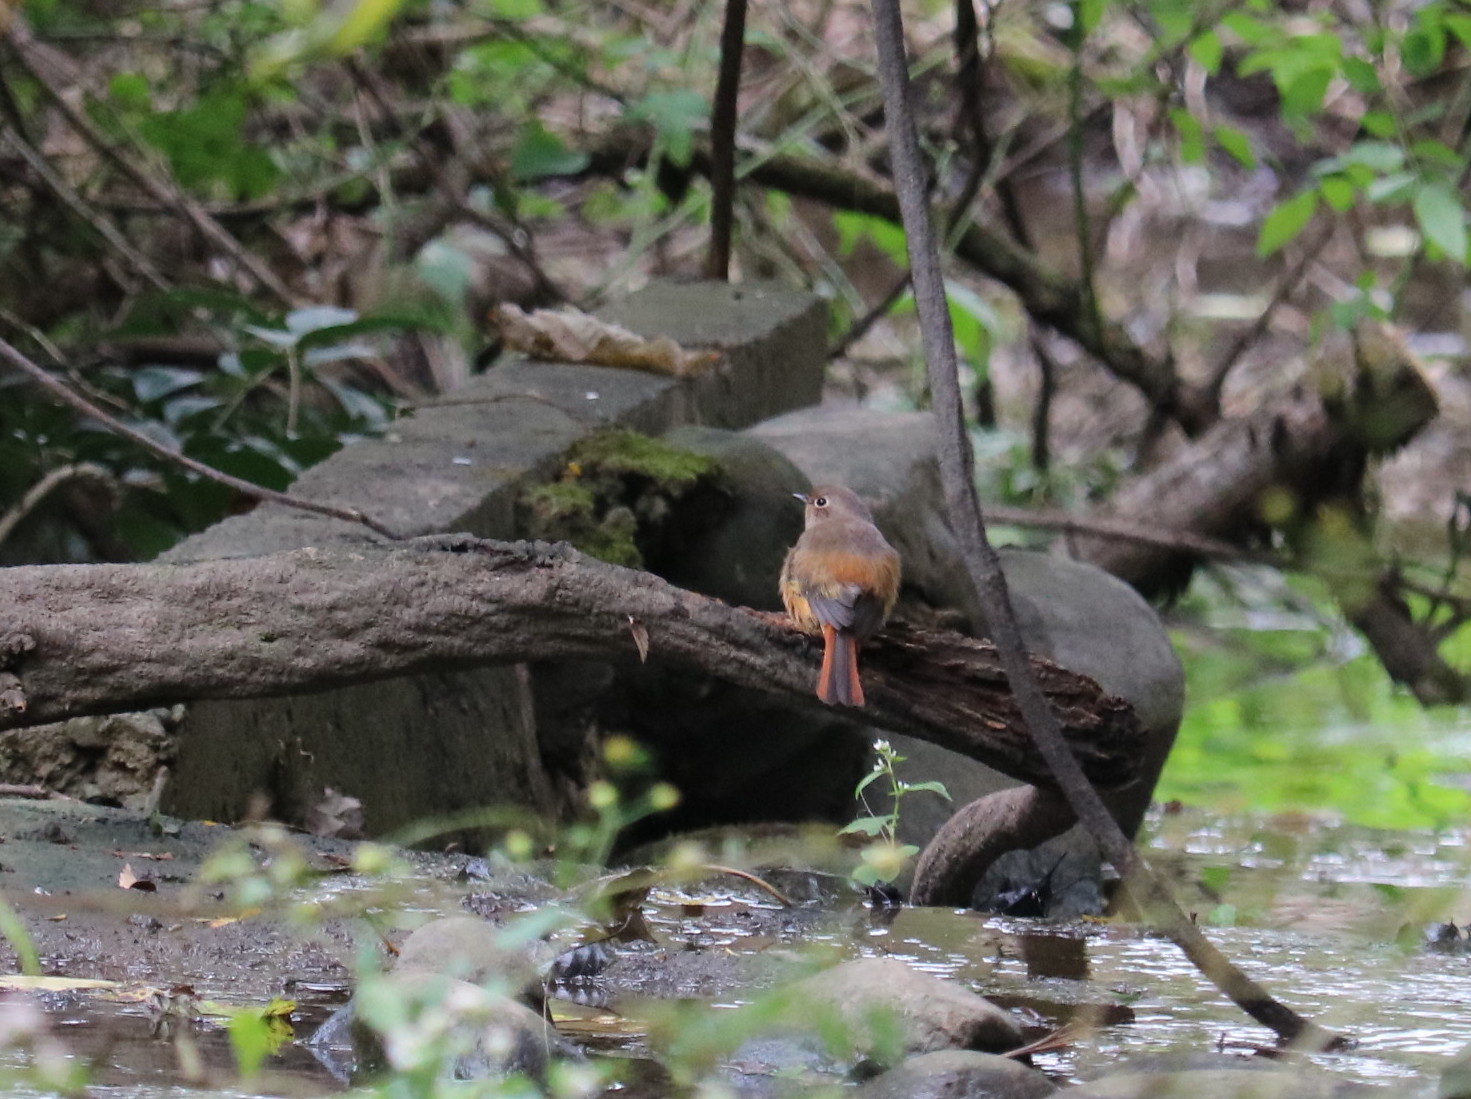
{"x": 427, "y": 745}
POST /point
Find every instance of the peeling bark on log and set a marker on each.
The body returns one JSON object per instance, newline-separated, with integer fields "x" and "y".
{"x": 77, "y": 639}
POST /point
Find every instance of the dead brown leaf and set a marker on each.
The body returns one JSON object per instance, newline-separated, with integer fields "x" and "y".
{"x": 126, "y": 879}
{"x": 570, "y": 336}
{"x": 336, "y": 815}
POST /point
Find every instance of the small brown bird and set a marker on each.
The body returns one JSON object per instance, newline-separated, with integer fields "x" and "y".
{"x": 840, "y": 580}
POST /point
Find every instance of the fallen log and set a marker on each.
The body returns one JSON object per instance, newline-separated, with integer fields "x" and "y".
{"x": 80, "y": 639}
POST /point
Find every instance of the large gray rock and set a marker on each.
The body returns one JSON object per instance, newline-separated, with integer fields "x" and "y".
{"x": 470, "y": 949}
{"x": 484, "y": 1034}
{"x": 458, "y": 975}
{"x": 754, "y": 760}
{"x": 930, "y": 1013}
{"x": 739, "y": 558}
{"x": 958, "y": 1074}
{"x": 1455, "y": 1078}
{"x": 1071, "y": 612}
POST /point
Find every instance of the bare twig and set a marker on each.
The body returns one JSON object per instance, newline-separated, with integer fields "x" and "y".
{"x": 515, "y": 237}
{"x": 168, "y": 194}
{"x": 78, "y": 206}
{"x": 27, "y": 790}
{"x": 1286, "y": 285}
{"x": 859, "y": 328}
{"x": 984, "y": 566}
{"x": 1182, "y": 541}
{"x": 723, "y": 117}
{"x": 255, "y": 492}
{"x": 81, "y": 471}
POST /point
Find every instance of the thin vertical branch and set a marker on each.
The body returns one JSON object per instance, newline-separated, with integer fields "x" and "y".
{"x": 1075, "y": 166}
{"x": 723, "y": 117}
{"x": 970, "y": 74}
{"x": 984, "y": 565}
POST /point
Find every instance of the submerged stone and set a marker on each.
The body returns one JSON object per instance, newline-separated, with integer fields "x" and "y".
{"x": 958, "y": 1074}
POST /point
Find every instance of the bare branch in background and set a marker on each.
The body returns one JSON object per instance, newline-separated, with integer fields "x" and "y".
{"x": 724, "y": 117}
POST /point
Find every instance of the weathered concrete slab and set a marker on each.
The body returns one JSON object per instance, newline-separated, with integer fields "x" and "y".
{"x": 412, "y": 748}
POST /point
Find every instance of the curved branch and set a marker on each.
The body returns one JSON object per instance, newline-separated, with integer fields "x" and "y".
{"x": 99, "y": 638}
{"x": 954, "y": 861}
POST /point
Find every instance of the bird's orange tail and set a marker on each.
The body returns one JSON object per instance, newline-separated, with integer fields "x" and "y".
{"x": 838, "y": 681}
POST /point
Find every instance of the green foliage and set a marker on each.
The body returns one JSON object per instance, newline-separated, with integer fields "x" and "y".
{"x": 283, "y": 396}
{"x": 884, "y": 859}
{"x": 258, "y": 1032}
{"x": 1283, "y": 719}
{"x": 206, "y": 145}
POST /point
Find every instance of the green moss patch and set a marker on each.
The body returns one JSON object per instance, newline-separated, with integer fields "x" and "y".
{"x": 614, "y": 493}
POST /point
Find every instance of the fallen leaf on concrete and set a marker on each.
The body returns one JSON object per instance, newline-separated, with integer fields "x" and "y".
{"x": 161, "y": 857}
{"x": 337, "y": 816}
{"x": 571, "y": 336}
{"x": 126, "y": 879}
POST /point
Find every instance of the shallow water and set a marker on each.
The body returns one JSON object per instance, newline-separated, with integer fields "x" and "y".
{"x": 1316, "y": 911}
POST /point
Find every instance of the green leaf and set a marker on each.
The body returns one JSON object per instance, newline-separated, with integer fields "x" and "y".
{"x": 1206, "y": 50}
{"x": 1442, "y": 218}
{"x": 1236, "y": 143}
{"x": 1089, "y": 14}
{"x": 674, "y": 115}
{"x": 1436, "y": 152}
{"x": 256, "y": 1033}
{"x": 1380, "y": 156}
{"x": 1362, "y": 76}
{"x": 1303, "y": 94}
{"x": 539, "y": 153}
{"x": 153, "y": 382}
{"x": 205, "y": 144}
{"x": 1285, "y": 221}
{"x": 865, "y": 826}
{"x": 1252, "y": 31}
{"x": 1337, "y": 192}
{"x": 1192, "y": 139}
{"x": 1379, "y": 123}
{"x": 1395, "y": 187}
{"x": 1423, "y": 48}
{"x": 1215, "y": 878}
{"x": 130, "y": 91}
{"x": 929, "y": 787}
{"x": 316, "y": 318}
{"x": 1459, "y": 25}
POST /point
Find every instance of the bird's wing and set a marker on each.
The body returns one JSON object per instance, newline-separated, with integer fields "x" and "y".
{"x": 835, "y": 605}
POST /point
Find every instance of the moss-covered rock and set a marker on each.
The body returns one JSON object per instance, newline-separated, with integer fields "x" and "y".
{"x": 615, "y": 491}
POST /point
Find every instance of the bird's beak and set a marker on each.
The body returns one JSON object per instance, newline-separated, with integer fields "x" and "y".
{"x": 800, "y": 496}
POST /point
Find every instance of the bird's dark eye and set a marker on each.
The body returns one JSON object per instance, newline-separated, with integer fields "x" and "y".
{"x": 820, "y": 502}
